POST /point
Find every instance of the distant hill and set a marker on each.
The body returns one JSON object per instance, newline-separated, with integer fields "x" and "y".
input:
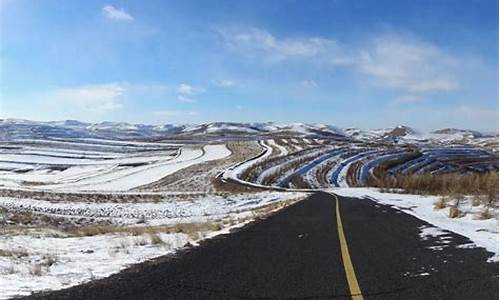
{"x": 26, "y": 129}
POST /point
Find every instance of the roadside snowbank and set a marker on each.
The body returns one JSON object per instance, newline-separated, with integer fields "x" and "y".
{"x": 484, "y": 233}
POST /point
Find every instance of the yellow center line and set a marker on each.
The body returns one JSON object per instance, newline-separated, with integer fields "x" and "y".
{"x": 352, "y": 281}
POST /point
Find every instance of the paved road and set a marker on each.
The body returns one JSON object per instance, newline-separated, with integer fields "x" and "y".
{"x": 297, "y": 254}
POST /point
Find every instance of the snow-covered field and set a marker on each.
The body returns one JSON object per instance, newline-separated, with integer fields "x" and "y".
{"x": 72, "y": 211}
{"x": 33, "y": 260}
{"x": 117, "y": 174}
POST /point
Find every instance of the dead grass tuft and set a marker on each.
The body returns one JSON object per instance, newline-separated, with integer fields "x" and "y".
{"x": 485, "y": 214}
{"x": 455, "y": 212}
{"x": 14, "y": 253}
{"x": 155, "y": 239}
{"x": 440, "y": 203}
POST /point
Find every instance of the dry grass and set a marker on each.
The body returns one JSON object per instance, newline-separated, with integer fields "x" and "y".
{"x": 321, "y": 173}
{"x": 287, "y": 166}
{"x": 485, "y": 214}
{"x": 299, "y": 182}
{"x": 253, "y": 172}
{"x": 440, "y": 203}
{"x": 455, "y": 212}
{"x": 155, "y": 239}
{"x": 81, "y": 196}
{"x": 232, "y": 188}
{"x": 187, "y": 228}
{"x": 14, "y": 253}
{"x": 201, "y": 177}
{"x": 483, "y": 186}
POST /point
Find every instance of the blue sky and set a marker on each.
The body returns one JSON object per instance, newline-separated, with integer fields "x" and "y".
{"x": 427, "y": 64}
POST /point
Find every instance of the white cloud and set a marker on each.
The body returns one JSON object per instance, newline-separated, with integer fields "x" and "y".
{"x": 91, "y": 98}
{"x": 118, "y": 14}
{"x": 185, "y": 99}
{"x": 224, "y": 83}
{"x": 413, "y": 66}
{"x": 186, "y": 89}
{"x": 255, "y": 41}
{"x": 406, "y": 64}
{"x": 186, "y": 92}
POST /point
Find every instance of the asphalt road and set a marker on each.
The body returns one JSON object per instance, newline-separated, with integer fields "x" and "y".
{"x": 296, "y": 254}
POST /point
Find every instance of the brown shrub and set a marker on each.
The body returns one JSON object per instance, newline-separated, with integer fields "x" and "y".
{"x": 453, "y": 185}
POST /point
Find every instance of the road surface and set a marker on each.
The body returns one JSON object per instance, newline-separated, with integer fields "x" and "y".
{"x": 309, "y": 251}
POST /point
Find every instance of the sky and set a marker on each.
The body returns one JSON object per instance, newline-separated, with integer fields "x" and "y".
{"x": 427, "y": 64}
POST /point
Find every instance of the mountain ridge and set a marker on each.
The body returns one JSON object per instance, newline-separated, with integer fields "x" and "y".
{"x": 20, "y": 128}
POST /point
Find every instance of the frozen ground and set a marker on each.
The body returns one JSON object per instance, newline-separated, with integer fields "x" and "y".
{"x": 484, "y": 233}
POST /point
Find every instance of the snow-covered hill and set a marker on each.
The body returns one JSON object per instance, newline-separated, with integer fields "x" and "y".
{"x": 15, "y": 128}
{"x": 25, "y": 129}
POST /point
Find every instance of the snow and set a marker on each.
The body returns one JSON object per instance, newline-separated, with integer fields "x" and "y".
{"x": 77, "y": 259}
{"x": 106, "y": 141}
{"x": 39, "y": 159}
{"x": 112, "y": 174}
{"x": 102, "y": 146}
{"x": 163, "y": 212}
{"x": 338, "y": 174}
{"x": 280, "y": 165}
{"x": 484, "y": 233}
{"x": 226, "y": 128}
{"x": 126, "y": 179}
{"x": 234, "y": 171}
{"x": 80, "y": 259}
{"x": 70, "y": 154}
{"x": 283, "y": 150}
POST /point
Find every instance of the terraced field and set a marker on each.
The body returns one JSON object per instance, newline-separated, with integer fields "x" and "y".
{"x": 342, "y": 164}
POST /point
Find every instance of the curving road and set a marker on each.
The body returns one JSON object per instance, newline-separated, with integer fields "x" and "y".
{"x": 301, "y": 253}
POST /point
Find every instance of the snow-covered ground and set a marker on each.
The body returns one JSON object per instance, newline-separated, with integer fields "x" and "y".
{"x": 112, "y": 175}
{"x": 283, "y": 150}
{"x": 483, "y": 233}
{"x": 235, "y": 171}
{"x": 48, "y": 259}
{"x": 163, "y": 212}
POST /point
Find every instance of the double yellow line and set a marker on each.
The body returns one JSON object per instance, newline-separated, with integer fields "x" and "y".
{"x": 352, "y": 281}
